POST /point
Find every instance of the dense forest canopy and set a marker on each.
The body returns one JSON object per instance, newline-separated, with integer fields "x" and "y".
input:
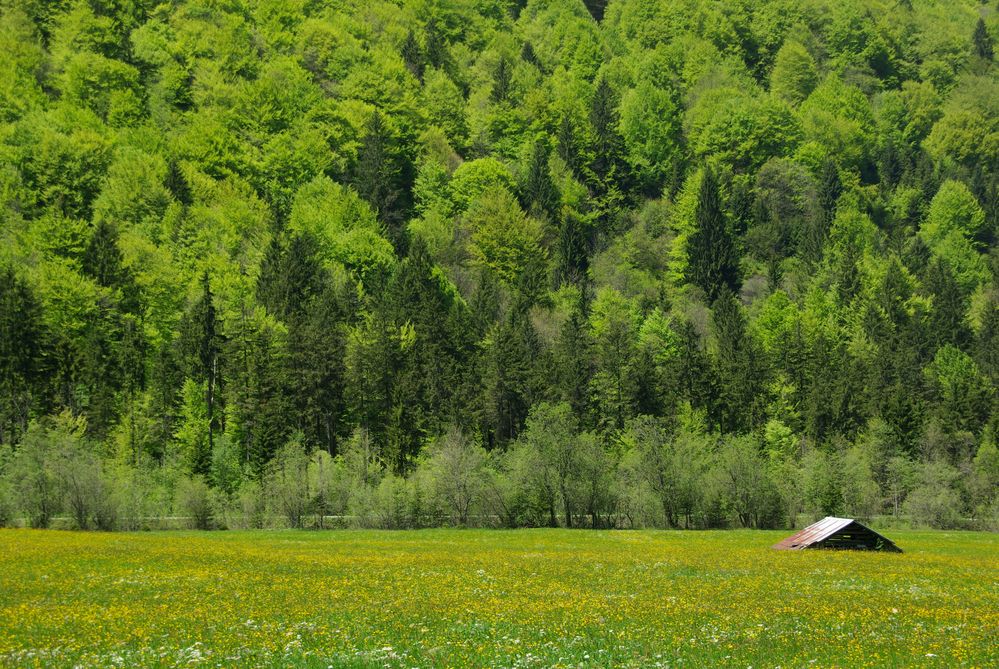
{"x": 683, "y": 262}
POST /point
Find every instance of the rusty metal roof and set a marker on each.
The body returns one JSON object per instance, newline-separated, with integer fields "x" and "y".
{"x": 832, "y": 532}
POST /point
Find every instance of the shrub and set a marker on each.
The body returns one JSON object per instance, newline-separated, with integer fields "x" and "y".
{"x": 287, "y": 483}
{"x": 252, "y": 505}
{"x": 934, "y": 501}
{"x": 194, "y": 500}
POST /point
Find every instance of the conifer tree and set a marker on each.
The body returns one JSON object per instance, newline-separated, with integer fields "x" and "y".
{"x": 502, "y": 80}
{"x": 21, "y": 349}
{"x": 412, "y": 54}
{"x": 573, "y": 249}
{"x": 573, "y": 364}
{"x": 510, "y": 383}
{"x": 528, "y": 56}
{"x": 713, "y": 261}
{"x": 540, "y": 195}
{"x": 947, "y": 322}
{"x": 377, "y": 174}
{"x": 983, "y": 40}
{"x": 202, "y": 346}
{"x": 596, "y": 9}
{"x": 567, "y": 142}
{"x": 987, "y": 342}
{"x": 105, "y": 263}
{"x": 740, "y": 373}
{"x": 435, "y": 45}
{"x": 608, "y": 163}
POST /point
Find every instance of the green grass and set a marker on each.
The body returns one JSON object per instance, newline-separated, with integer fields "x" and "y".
{"x": 454, "y": 598}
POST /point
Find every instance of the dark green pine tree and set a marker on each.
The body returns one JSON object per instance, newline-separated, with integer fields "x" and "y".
{"x": 983, "y": 41}
{"x": 102, "y": 259}
{"x": 985, "y": 186}
{"x": 568, "y": 144}
{"x": 897, "y": 368}
{"x": 987, "y": 342}
{"x": 947, "y": 322}
{"x": 270, "y": 279}
{"x": 296, "y": 287}
{"x": 573, "y": 249}
{"x": 502, "y": 80}
{"x": 433, "y": 361}
{"x": 890, "y": 165}
{"x": 833, "y": 390}
{"x": 540, "y": 195}
{"x": 528, "y": 56}
{"x": 713, "y": 263}
{"x": 830, "y": 188}
{"x": 412, "y": 54}
{"x": 596, "y": 9}
{"x": 435, "y": 45}
{"x": 510, "y": 382}
{"x": 290, "y": 279}
{"x": 22, "y": 376}
{"x": 177, "y": 184}
{"x": 166, "y": 379}
{"x": 608, "y": 164}
{"x": 202, "y": 344}
{"x": 256, "y": 391}
{"x": 813, "y": 237}
{"x": 107, "y": 362}
{"x": 317, "y": 376}
{"x": 485, "y": 304}
{"x": 378, "y": 176}
{"x": 131, "y": 352}
{"x": 741, "y": 373}
{"x": 695, "y": 377}
{"x": 573, "y": 364}
{"x": 100, "y": 369}
{"x": 104, "y": 262}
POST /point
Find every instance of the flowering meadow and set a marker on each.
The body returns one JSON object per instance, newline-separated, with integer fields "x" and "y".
{"x": 475, "y": 598}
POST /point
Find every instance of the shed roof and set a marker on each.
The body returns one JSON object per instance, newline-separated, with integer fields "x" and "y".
{"x": 832, "y": 532}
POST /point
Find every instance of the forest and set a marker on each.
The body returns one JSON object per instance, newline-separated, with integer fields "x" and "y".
{"x": 407, "y": 263}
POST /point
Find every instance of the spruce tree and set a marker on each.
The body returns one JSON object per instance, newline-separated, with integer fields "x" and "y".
{"x": 608, "y": 163}
{"x": 202, "y": 344}
{"x": 573, "y": 249}
{"x": 21, "y": 349}
{"x": 695, "y": 377}
{"x": 102, "y": 258}
{"x": 528, "y": 56}
{"x": 540, "y": 195}
{"x": 502, "y": 80}
{"x": 104, "y": 262}
{"x": 986, "y": 346}
{"x": 435, "y": 45}
{"x": 573, "y": 364}
{"x": 830, "y": 188}
{"x": 947, "y": 322}
{"x": 100, "y": 368}
{"x": 739, "y": 366}
{"x": 983, "y": 41}
{"x": 434, "y": 329}
{"x": 302, "y": 276}
{"x": 713, "y": 262}
{"x": 317, "y": 347}
{"x": 510, "y": 383}
{"x": 596, "y": 9}
{"x": 377, "y": 174}
{"x": 412, "y": 54}
{"x": 131, "y": 353}
{"x": 269, "y": 280}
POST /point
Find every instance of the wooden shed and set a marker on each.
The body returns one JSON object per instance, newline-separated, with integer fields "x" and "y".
{"x": 842, "y": 533}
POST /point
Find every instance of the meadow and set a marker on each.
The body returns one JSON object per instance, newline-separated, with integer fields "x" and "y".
{"x": 470, "y": 598}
